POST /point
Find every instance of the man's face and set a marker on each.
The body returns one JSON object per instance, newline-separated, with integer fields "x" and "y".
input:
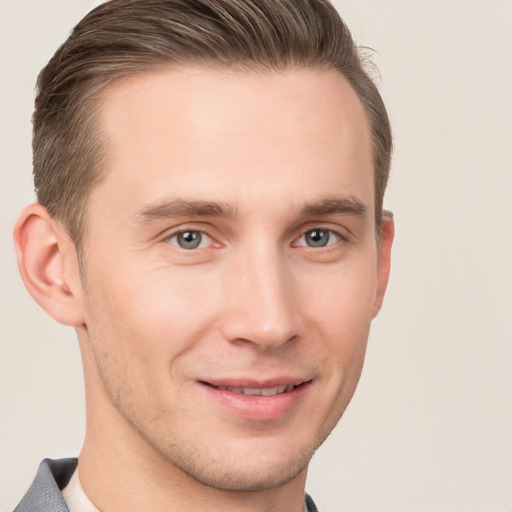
{"x": 231, "y": 269}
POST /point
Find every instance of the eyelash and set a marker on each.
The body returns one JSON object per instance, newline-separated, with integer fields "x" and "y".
{"x": 330, "y": 232}
{"x": 176, "y": 234}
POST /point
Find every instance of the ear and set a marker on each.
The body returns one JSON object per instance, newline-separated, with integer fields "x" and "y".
{"x": 48, "y": 265}
{"x": 386, "y": 235}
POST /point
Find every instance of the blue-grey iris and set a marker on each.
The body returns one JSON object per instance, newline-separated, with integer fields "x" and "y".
{"x": 317, "y": 237}
{"x": 189, "y": 239}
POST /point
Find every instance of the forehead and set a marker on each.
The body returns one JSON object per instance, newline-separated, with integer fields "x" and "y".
{"x": 232, "y": 136}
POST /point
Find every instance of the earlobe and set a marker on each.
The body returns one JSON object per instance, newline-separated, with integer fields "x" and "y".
{"x": 386, "y": 235}
{"x": 48, "y": 265}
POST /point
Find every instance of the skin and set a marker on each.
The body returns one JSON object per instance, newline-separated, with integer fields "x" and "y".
{"x": 276, "y": 155}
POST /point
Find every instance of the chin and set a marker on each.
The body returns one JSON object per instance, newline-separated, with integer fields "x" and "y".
{"x": 248, "y": 475}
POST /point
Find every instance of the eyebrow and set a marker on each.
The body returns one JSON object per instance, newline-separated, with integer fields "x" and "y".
{"x": 347, "y": 205}
{"x": 182, "y": 208}
{"x": 185, "y": 208}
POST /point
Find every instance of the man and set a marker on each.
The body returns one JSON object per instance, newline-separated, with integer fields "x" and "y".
{"x": 210, "y": 177}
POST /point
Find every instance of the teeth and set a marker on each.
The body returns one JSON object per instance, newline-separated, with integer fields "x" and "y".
{"x": 255, "y": 392}
{"x": 277, "y": 390}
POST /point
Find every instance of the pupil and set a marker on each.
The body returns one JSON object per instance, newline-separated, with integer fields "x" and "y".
{"x": 189, "y": 239}
{"x": 317, "y": 238}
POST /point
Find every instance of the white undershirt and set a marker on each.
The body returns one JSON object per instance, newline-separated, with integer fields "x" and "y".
{"x": 75, "y": 497}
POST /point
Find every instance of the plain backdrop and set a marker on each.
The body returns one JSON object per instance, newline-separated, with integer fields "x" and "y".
{"x": 430, "y": 426}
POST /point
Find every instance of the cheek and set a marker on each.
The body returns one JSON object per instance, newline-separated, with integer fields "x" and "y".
{"x": 342, "y": 297}
{"x": 154, "y": 313}
{"x": 341, "y": 312}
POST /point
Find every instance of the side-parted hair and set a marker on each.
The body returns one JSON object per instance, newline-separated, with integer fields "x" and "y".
{"x": 121, "y": 38}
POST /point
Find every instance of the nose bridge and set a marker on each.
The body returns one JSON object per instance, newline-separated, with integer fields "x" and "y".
{"x": 263, "y": 307}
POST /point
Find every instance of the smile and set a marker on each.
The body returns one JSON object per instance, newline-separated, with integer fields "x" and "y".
{"x": 258, "y": 401}
{"x": 276, "y": 390}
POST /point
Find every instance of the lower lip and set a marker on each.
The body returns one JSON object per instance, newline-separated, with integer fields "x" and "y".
{"x": 259, "y": 408}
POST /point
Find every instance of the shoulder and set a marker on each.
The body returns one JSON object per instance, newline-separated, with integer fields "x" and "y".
{"x": 45, "y": 492}
{"x": 309, "y": 504}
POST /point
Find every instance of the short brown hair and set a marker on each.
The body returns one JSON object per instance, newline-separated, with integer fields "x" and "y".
{"x": 125, "y": 37}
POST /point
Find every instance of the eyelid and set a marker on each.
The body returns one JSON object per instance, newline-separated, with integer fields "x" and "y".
{"x": 342, "y": 233}
{"x": 205, "y": 232}
{"x": 339, "y": 238}
{"x": 205, "y": 239}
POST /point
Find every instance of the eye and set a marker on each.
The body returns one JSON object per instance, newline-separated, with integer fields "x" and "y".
{"x": 316, "y": 238}
{"x": 190, "y": 239}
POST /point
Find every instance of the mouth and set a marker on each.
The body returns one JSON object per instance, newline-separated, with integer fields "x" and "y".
{"x": 273, "y": 391}
{"x": 258, "y": 400}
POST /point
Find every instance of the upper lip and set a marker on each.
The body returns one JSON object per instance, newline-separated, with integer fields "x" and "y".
{"x": 245, "y": 382}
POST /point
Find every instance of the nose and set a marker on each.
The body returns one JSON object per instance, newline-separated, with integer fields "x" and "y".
{"x": 263, "y": 309}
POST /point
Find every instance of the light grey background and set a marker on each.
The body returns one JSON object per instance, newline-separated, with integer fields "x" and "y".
{"x": 430, "y": 427}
